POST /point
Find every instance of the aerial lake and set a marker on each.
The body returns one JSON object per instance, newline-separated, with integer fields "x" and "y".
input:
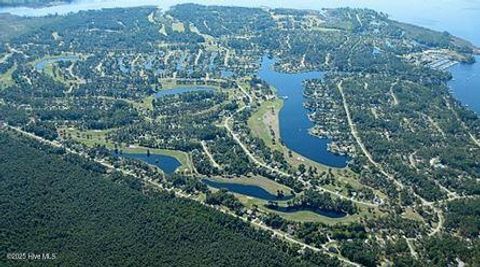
{"x": 466, "y": 84}
{"x": 260, "y": 193}
{"x": 44, "y": 62}
{"x": 294, "y": 121}
{"x": 166, "y": 163}
{"x": 248, "y": 190}
{"x": 459, "y": 17}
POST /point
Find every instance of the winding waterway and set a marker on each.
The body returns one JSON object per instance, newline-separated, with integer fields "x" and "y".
{"x": 43, "y": 63}
{"x": 260, "y": 193}
{"x": 459, "y": 17}
{"x": 248, "y": 190}
{"x": 294, "y": 121}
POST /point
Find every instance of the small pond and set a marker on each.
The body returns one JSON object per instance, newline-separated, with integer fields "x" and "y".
{"x": 248, "y": 190}
{"x": 43, "y": 63}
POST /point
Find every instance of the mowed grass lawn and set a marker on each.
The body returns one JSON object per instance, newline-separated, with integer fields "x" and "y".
{"x": 266, "y": 118}
{"x": 268, "y": 111}
{"x": 6, "y": 78}
{"x": 178, "y": 27}
{"x": 299, "y": 216}
{"x": 93, "y": 138}
{"x": 303, "y": 216}
{"x": 263, "y": 182}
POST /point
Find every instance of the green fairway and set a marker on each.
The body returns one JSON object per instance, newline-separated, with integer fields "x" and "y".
{"x": 265, "y": 183}
{"x": 264, "y": 119}
{"x": 93, "y": 138}
{"x": 6, "y": 79}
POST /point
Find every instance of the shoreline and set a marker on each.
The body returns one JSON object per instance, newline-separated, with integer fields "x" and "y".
{"x": 452, "y": 90}
{"x": 36, "y": 5}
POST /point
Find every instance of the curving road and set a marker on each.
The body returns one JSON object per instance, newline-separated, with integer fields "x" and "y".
{"x": 266, "y": 166}
{"x": 178, "y": 193}
{"x": 210, "y": 156}
{"x": 354, "y": 132}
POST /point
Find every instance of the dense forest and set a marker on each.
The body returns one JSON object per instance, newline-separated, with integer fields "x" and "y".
{"x": 54, "y": 202}
{"x": 97, "y": 83}
{"x": 463, "y": 217}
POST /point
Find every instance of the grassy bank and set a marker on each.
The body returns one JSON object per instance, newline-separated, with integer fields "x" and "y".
{"x": 93, "y": 138}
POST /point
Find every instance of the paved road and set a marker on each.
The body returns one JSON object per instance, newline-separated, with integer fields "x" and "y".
{"x": 209, "y": 155}
{"x": 178, "y": 193}
{"x": 354, "y": 132}
{"x": 474, "y": 140}
{"x": 252, "y": 157}
{"x": 357, "y": 138}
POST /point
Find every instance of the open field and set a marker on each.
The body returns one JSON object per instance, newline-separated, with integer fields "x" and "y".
{"x": 299, "y": 216}
{"x": 178, "y": 27}
{"x": 6, "y": 78}
{"x": 265, "y": 183}
{"x": 94, "y": 138}
{"x": 307, "y": 216}
{"x": 56, "y": 74}
{"x": 147, "y": 103}
{"x": 411, "y": 214}
{"x": 266, "y": 118}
